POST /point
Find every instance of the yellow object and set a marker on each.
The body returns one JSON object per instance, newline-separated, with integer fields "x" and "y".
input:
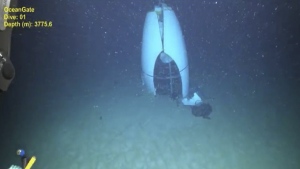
{"x": 31, "y": 162}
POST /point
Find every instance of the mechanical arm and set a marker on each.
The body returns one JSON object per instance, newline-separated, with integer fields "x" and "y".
{"x": 7, "y": 70}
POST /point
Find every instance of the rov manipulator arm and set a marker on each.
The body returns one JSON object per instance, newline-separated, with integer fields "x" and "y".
{"x": 7, "y": 70}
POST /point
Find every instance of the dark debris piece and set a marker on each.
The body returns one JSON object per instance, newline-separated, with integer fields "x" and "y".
{"x": 202, "y": 110}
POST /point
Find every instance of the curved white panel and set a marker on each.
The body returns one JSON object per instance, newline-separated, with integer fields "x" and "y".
{"x": 174, "y": 46}
{"x": 151, "y": 47}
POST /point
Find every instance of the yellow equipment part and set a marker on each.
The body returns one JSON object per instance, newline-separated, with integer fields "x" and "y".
{"x": 31, "y": 162}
